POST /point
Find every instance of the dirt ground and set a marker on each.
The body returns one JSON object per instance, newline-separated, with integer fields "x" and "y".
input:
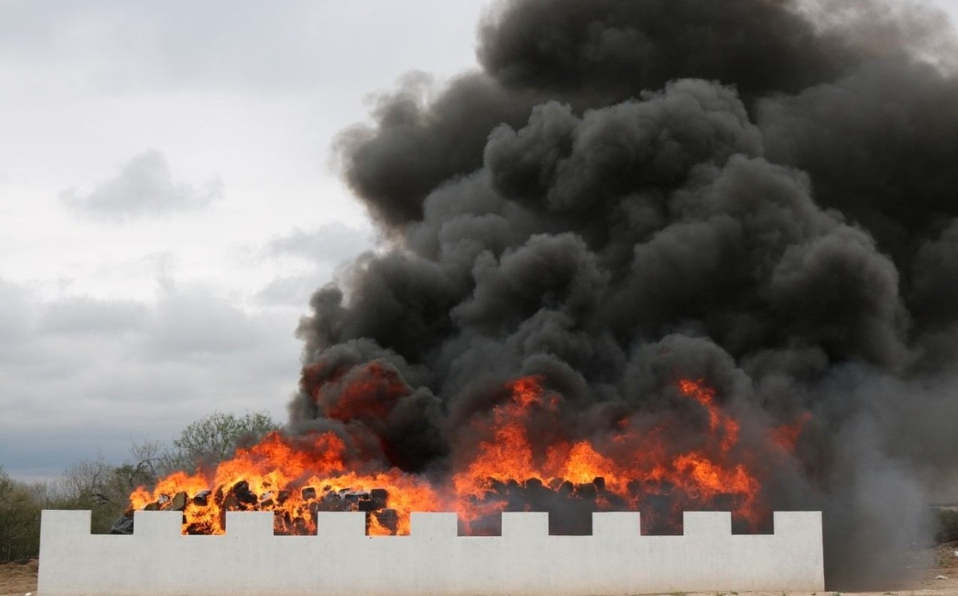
{"x": 17, "y": 579}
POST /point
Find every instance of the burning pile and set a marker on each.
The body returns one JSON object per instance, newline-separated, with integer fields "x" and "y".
{"x": 296, "y": 514}
{"x": 637, "y": 469}
{"x": 628, "y": 260}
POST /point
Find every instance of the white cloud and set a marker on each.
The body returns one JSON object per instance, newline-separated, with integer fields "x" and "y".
{"x": 188, "y": 322}
{"x": 86, "y": 315}
{"x": 321, "y": 252}
{"x": 291, "y": 290}
{"x": 84, "y": 377}
{"x": 333, "y": 243}
{"x": 144, "y": 187}
{"x": 121, "y": 47}
{"x": 16, "y": 313}
{"x": 113, "y": 335}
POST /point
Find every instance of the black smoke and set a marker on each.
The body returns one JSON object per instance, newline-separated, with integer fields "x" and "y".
{"x": 754, "y": 193}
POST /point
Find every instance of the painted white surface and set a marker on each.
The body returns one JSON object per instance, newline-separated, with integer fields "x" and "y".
{"x": 248, "y": 560}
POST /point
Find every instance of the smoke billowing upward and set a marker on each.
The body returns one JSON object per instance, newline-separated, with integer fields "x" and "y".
{"x": 750, "y": 192}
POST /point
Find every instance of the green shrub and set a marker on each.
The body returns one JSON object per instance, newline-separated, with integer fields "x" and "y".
{"x": 947, "y": 526}
{"x": 19, "y": 520}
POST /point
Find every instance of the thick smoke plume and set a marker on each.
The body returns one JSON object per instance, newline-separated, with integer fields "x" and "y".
{"x": 754, "y": 193}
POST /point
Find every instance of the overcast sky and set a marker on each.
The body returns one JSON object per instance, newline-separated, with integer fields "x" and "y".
{"x": 168, "y": 202}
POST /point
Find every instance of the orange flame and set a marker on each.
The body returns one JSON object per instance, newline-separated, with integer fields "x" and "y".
{"x": 786, "y": 436}
{"x": 508, "y": 467}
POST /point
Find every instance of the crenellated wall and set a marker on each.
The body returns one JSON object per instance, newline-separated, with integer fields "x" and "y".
{"x": 157, "y": 560}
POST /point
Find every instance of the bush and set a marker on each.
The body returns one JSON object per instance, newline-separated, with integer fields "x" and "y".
{"x": 19, "y": 520}
{"x": 104, "y": 488}
{"x": 947, "y": 526}
{"x": 214, "y": 438}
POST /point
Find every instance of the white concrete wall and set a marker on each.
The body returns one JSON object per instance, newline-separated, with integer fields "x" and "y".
{"x": 248, "y": 560}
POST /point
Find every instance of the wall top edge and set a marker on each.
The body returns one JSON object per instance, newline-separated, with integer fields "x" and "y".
{"x": 432, "y": 524}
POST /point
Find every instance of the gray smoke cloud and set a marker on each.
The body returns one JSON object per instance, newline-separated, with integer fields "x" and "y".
{"x": 633, "y": 191}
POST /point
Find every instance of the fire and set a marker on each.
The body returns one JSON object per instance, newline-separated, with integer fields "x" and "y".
{"x": 642, "y": 476}
{"x": 295, "y": 478}
{"x": 786, "y": 436}
{"x": 508, "y": 466}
